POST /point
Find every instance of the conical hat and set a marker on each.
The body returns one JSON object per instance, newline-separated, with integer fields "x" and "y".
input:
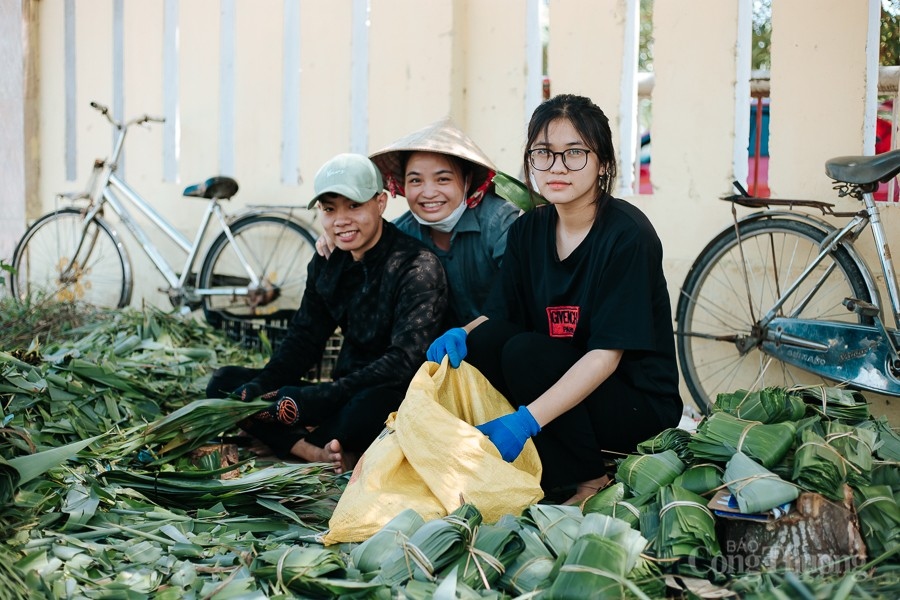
{"x": 443, "y": 137}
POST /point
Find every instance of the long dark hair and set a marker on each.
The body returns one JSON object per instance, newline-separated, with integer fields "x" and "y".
{"x": 591, "y": 124}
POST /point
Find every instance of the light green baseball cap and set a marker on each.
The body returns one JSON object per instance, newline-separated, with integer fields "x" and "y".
{"x": 352, "y": 176}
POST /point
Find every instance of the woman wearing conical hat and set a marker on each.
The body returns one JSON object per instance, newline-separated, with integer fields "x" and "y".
{"x": 446, "y": 179}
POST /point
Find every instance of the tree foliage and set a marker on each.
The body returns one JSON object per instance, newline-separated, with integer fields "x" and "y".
{"x": 890, "y": 33}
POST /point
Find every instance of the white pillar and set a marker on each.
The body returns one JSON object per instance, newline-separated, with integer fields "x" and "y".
{"x": 16, "y": 23}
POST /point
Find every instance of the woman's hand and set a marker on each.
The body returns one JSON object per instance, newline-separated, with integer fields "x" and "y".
{"x": 510, "y": 432}
{"x": 324, "y": 246}
{"x": 451, "y": 344}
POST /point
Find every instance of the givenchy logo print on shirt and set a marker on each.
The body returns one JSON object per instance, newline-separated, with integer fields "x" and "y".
{"x": 562, "y": 320}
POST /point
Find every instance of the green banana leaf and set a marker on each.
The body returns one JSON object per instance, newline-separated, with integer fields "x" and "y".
{"x": 755, "y": 488}
{"x": 879, "y": 518}
{"x": 836, "y": 402}
{"x": 686, "y": 532}
{"x": 646, "y": 473}
{"x": 20, "y": 470}
{"x": 491, "y": 551}
{"x": 612, "y": 501}
{"x": 768, "y": 405}
{"x": 530, "y": 571}
{"x": 700, "y": 478}
{"x": 431, "y": 547}
{"x": 674, "y": 438}
{"x": 721, "y": 434}
{"x": 596, "y": 567}
{"x": 369, "y": 555}
{"x": 556, "y": 524}
{"x": 516, "y": 192}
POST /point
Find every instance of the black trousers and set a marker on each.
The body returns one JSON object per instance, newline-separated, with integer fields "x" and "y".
{"x": 355, "y": 424}
{"x": 522, "y": 365}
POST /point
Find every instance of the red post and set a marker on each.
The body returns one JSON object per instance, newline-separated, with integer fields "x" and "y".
{"x": 757, "y": 145}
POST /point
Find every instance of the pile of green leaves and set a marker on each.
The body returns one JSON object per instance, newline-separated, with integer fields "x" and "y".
{"x": 119, "y": 370}
{"x": 101, "y": 494}
{"x": 22, "y": 324}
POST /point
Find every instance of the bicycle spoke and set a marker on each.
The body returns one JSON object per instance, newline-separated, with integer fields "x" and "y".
{"x": 276, "y": 250}
{"x": 714, "y": 317}
{"x": 719, "y": 301}
{"x": 46, "y": 264}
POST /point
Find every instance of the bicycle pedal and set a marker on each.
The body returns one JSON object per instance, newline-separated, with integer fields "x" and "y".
{"x": 861, "y": 307}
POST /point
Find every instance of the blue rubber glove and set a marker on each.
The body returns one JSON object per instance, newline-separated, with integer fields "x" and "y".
{"x": 452, "y": 344}
{"x": 510, "y": 432}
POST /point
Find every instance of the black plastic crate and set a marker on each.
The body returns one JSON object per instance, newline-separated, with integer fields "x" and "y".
{"x": 247, "y": 332}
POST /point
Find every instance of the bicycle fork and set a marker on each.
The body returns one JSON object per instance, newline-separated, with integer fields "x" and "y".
{"x": 71, "y": 273}
{"x": 255, "y": 287}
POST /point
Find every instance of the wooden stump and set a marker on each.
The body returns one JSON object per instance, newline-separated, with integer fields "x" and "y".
{"x": 818, "y": 533}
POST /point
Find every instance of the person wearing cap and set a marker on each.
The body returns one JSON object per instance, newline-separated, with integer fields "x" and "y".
{"x": 388, "y": 294}
{"x": 446, "y": 180}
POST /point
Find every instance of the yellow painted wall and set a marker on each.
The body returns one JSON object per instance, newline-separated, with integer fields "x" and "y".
{"x": 412, "y": 67}
{"x": 818, "y": 84}
{"x": 586, "y": 51}
{"x": 693, "y": 126}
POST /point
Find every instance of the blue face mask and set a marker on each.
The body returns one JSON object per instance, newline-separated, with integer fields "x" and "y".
{"x": 446, "y": 224}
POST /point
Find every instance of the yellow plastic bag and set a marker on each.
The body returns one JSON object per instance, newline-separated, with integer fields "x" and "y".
{"x": 431, "y": 458}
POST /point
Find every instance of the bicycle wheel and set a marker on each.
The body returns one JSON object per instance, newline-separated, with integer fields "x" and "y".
{"x": 100, "y": 274}
{"x": 277, "y": 249}
{"x": 716, "y": 308}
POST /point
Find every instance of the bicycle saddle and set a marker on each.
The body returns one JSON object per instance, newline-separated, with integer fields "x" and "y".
{"x": 864, "y": 170}
{"x": 219, "y": 187}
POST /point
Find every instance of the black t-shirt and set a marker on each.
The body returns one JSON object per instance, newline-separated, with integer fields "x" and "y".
{"x": 390, "y": 306}
{"x": 609, "y": 293}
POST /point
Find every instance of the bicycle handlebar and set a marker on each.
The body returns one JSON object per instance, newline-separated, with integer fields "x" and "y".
{"x": 104, "y": 110}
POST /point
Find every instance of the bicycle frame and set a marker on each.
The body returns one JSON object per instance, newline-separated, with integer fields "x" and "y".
{"x": 105, "y": 186}
{"x": 250, "y": 267}
{"x": 786, "y": 287}
{"x": 861, "y": 354}
{"x": 884, "y": 255}
{"x": 846, "y": 235}
{"x": 116, "y": 185}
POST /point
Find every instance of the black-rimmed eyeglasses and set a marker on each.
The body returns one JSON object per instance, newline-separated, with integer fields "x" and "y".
{"x": 573, "y": 159}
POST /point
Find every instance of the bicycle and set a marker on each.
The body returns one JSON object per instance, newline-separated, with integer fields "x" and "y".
{"x": 782, "y": 298}
{"x": 255, "y": 267}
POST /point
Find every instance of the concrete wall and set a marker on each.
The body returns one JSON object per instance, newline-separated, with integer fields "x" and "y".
{"x": 694, "y": 108}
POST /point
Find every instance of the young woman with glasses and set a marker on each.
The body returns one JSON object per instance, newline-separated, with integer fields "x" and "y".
{"x": 577, "y": 333}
